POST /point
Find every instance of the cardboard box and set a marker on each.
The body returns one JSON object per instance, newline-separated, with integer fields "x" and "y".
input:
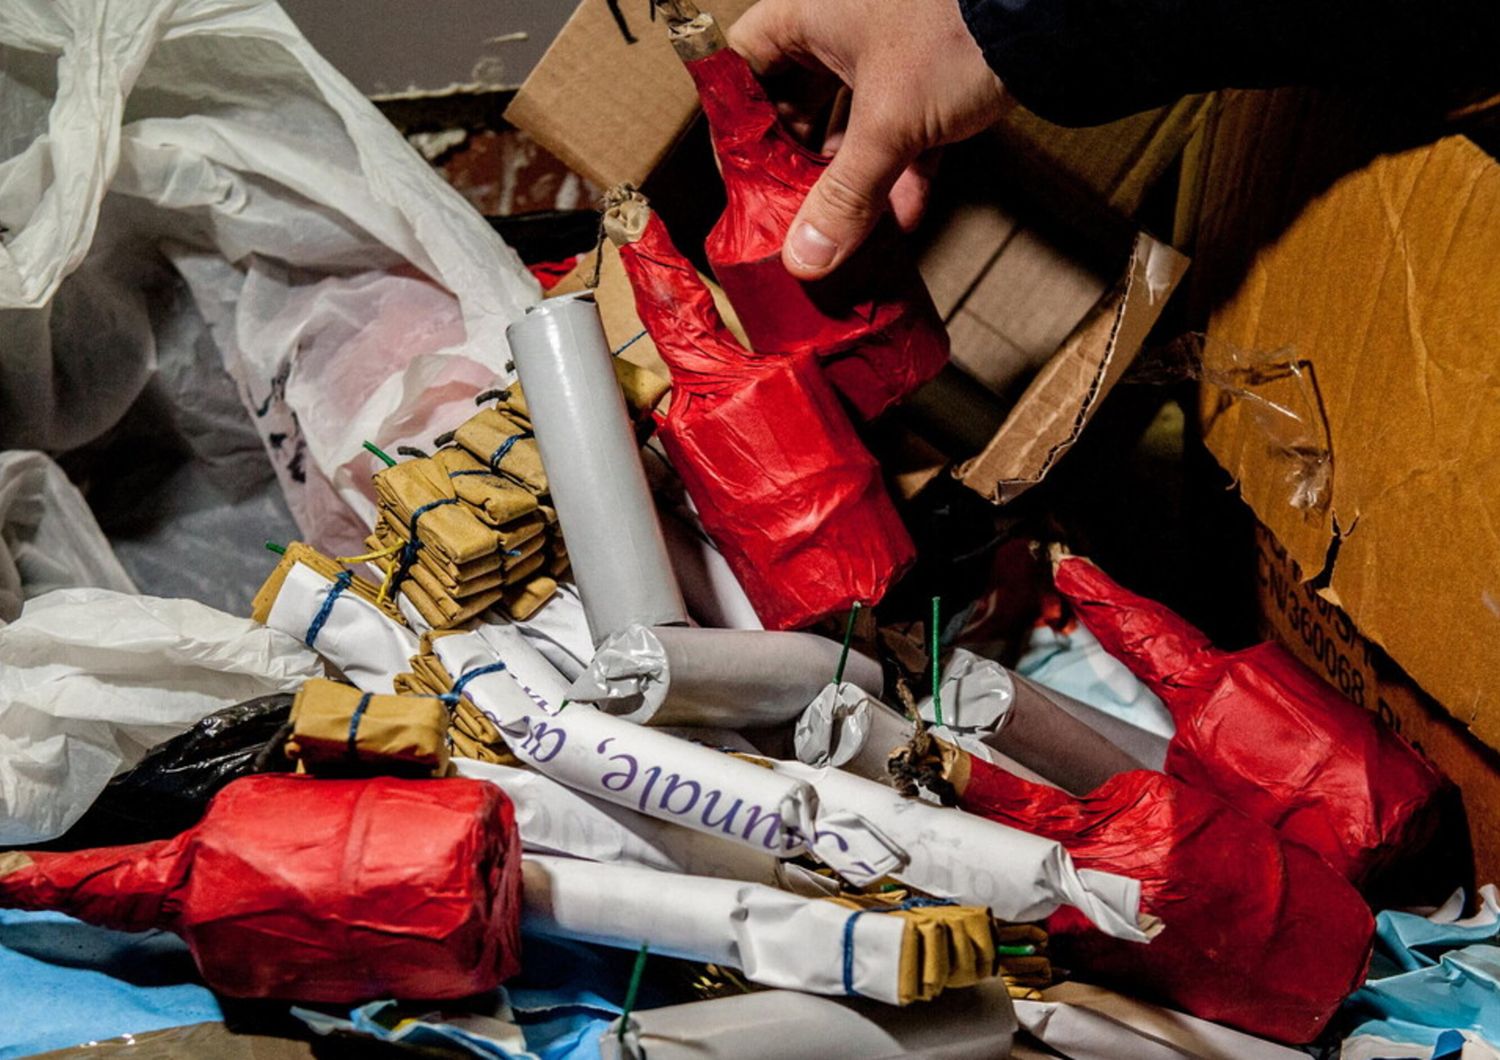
{"x": 1044, "y": 316}
{"x": 610, "y": 105}
{"x": 1361, "y": 247}
{"x": 1325, "y": 638}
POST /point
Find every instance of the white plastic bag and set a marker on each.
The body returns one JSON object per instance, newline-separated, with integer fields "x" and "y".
{"x": 91, "y": 679}
{"x": 352, "y": 293}
{"x": 48, "y": 537}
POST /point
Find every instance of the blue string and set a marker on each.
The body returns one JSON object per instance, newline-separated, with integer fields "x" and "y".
{"x": 464, "y": 678}
{"x": 315, "y": 627}
{"x": 500, "y": 453}
{"x": 910, "y": 903}
{"x": 472, "y": 471}
{"x": 354, "y": 720}
{"x": 414, "y": 542}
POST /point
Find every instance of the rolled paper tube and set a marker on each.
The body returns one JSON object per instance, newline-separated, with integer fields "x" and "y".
{"x": 555, "y": 819}
{"x": 846, "y": 728}
{"x": 714, "y": 595}
{"x": 776, "y": 939}
{"x": 593, "y": 468}
{"x": 1146, "y": 747}
{"x": 851, "y": 731}
{"x": 560, "y": 631}
{"x": 654, "y": 773}
{"x": 977, "y": 1024}
{"x": 975, "y": 861}
{"x": 366, "y": 644}
{"x": 982, "y": 698}
{"x": 716, "y": 677}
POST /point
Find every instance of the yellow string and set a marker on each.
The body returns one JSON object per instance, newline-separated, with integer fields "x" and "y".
{"x": 385, "y": 584}
{"x": 368, "y": 556}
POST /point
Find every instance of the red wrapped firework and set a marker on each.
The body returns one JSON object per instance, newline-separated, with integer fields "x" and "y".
{"x": 1257, "y": 932}
{"x": 1263, "y": 733}
{"x": 872, "y": 325}
{"x": 780, "y": 479}
{"x": 336, "y": 891}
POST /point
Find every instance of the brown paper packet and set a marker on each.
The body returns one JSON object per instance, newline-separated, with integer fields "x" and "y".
{"x": 488, "y": 435}
{"x": 400, "y": 730}
{"x": 524, "y": 601}
{"x": 297, "y": 552}
{"x": 451, "y": 529}
{"x": 943, "y": 946}
{"x": 444, "y": 612}
{"x": 450, "y": 575}
{"x": 494, "y": 499}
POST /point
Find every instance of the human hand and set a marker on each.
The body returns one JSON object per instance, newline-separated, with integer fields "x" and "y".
{"x": 917, "y": 81}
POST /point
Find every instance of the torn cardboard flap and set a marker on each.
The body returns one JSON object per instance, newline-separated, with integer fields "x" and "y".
{"x": 609, "y": 107}
{"x": 1058, "y": 404}
{"x": 1379, "y": 274}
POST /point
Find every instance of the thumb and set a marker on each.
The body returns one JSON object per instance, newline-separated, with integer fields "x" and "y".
{"x": 849, "y": 197}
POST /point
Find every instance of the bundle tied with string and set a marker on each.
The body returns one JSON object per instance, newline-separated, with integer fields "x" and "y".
{"x": 780, "y": 479}
{"x": 467, "y": 528}
{"x": 336, "y": 729}
{"x": 871, "y": 325}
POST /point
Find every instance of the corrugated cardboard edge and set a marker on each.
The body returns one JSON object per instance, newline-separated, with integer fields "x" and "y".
{"x": 1058, "y": 404}
{"x": 609, "y": 109}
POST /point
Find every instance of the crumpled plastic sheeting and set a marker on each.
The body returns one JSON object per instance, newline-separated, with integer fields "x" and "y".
{"x": 78, "y": 983}
{"x": 1262, "y": 732}
{"x": 351, "y": 292}
{"x": 90, "y": 680}
{"x": 1074, "y": 663}
{"x": 1432, "y": 975}
{"x": 48, "y": 536}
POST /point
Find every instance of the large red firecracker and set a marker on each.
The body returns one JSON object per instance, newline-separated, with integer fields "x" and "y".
{"x": 336, "y": 891}
{"x": 872, "y": 324}
{"x": 779, "y": 477}
{"x": 1263, "y": 733}
{"x": 1257, "y": 932}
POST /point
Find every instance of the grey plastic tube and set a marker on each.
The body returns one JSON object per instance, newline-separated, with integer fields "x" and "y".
{"x": 593, "y": 467}
{"x": 1147, "y": 748}
{"x": 1043, "y": 737}
{"x": 729, "y": 678}
{"x": 977, "y": 1023}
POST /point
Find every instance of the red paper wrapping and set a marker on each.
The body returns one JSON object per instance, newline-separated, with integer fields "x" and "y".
{"x": 1257, "y": 933}
{"x": 779, "y": 477}
{"x": 1263, "y": 733}
{"x": 872, "y": 325}
{"x": 314, "y": 890}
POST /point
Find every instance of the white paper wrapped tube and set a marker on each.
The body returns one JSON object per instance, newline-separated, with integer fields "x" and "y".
{"x": 554, "y": 819}
{"x": 594, "y": 468}
{"x": 353, "y": 634}
{"x": 719, "y": 677}
{"x": 776, "y": 939}
{"x": 654, "y": 773}
{"x": 975, "y": 861}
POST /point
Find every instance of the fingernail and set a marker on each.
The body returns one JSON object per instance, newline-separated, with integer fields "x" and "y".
{"x": 812, "y": 249}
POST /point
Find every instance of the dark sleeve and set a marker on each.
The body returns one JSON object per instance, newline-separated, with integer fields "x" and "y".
{"x": 1081, "y": 62}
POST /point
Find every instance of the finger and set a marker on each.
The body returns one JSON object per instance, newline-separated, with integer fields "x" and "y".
{"x": 849, "y": 197}
{"x": 769, "y": 36}
{"x": 913, "y": 188}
